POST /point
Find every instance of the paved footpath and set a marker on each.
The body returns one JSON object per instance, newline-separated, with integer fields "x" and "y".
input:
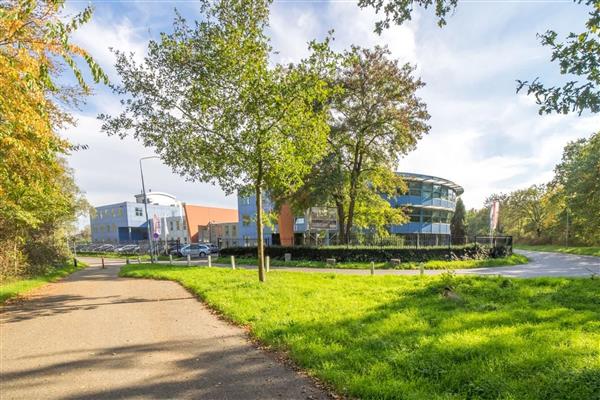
{"x": 96, "y": 336}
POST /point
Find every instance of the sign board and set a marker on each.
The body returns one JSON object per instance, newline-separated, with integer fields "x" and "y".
{"x": 322, "y": 218}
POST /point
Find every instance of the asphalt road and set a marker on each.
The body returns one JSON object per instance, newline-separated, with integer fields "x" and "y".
{"x": 96, "y": 336}
{"x": 541, "y": 264}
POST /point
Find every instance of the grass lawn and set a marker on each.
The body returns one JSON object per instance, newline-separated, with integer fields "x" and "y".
{"x": 514, "y": 259}
{"x": 18, "y": 287}
{"x": 582, "y": 251}
{"x": 397, "y": 337}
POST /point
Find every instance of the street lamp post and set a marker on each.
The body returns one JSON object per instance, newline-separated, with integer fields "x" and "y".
{"x": 146, "y": 206}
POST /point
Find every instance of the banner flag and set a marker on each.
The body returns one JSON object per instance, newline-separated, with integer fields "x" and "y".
{"x": 494, "y": 215}
{"x": 156, "y": 226}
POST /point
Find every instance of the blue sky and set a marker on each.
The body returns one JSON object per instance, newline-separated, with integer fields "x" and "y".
{"x": 484, "y": 136}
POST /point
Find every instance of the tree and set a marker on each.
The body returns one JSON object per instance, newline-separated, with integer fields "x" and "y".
{"x": 376, "y": 118}
{"x": 457, "y": 225}
{"x": 207, "y": 99}
{"x": 399, "y": 11}
{"x": 477, "y": 222}
{"x": 37, "y": 193}
{"x": 577, "y": 177}
{"x": 579, "y": 55}
{"x": 525, "y": 211}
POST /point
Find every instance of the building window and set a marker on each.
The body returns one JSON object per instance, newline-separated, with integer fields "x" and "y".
{"x": 427, "y": 191}
{"x": 114, "y": 227}
{"x": 415, "y": 217}
{"x": 177, "y": 224}
{"x": 246, "y": 220}
{"x": 414, "y": 189}
{"x": 138, "y": 212}
{"x": 120, "y": 212}
{"x": 184, "y": 225}
{"x": 427, "y": 216}
{"x": 437, "y": 191}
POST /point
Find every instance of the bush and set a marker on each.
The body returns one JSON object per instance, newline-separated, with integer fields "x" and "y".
{"x": 358, "y": 254}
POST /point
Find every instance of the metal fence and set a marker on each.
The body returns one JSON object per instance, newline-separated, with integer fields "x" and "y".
{"x": 416, "y": 241}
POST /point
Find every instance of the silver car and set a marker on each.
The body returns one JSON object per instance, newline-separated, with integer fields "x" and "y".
{"x": 195, "y": 250}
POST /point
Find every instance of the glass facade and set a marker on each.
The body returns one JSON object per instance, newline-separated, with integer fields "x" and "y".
{"x": 430, "y": 202}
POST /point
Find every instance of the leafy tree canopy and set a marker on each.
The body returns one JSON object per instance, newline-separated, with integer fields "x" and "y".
{"x": 208, "y": 100}
{"x": 376, "y": 118}
{"x": 36, "y": 189}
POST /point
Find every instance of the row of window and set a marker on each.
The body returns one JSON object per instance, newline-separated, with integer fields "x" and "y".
{"x": 104, "y": 228}
{"x": 430, "y": 216}
{"x": 230, "y": 231}
{"x": 118, "y": 212}
{"x": 175, "y": 225}
{"x": 428, "y": 191}
{"x": 114, "y": 212}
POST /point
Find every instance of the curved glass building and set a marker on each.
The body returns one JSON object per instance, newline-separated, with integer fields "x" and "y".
{"x": 431, "y": 202}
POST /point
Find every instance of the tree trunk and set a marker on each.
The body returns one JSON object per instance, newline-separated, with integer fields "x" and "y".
{"x": 354, "y": 177}
{"x": 352, "y": 203}
{"x": 350, "y": 219}
{"x": 259, "y": 229}
{"x": 339, "y": 204}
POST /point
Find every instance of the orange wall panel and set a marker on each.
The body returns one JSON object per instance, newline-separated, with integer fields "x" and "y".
{"x": 286, "y": 225}
{"x": 201, "y": 215}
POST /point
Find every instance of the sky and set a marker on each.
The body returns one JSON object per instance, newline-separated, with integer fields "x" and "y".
{"x": 484, "y": 136}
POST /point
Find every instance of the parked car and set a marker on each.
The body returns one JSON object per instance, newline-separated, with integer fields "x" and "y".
{"x": 195, "y": 250}
{"x": 213, "y": 247}
{"x": 128, "y": 249}
{"x": 106, "y": 247}
{"x": 175, "y": 250}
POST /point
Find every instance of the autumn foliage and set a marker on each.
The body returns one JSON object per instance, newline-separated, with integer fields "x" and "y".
{"x": 38, "y": 198}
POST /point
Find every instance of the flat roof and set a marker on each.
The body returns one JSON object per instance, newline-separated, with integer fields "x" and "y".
{"x": 409, "y": 176}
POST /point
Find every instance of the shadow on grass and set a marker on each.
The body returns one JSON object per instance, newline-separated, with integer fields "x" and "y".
{"x": 494, "y": 342}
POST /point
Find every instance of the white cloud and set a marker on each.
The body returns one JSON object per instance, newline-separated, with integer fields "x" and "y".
{"x": 108, "y": 171}
{"x": 484, "y": 136}
{"x": 103, "y": 33}
{"x": 292, "y": 27}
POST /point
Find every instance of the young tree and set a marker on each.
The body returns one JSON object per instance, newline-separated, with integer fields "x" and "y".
{"x": 578, "y": 56}
{"x": 457, "y": 225}
{"x": 207, "y": 99}
{"x": 37, "y": 194}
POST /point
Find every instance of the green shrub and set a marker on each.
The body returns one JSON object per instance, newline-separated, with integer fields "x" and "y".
{"x": 358, "y": 254}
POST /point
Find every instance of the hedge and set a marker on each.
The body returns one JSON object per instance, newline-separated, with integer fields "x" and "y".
{"x": 354, "y": 254}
